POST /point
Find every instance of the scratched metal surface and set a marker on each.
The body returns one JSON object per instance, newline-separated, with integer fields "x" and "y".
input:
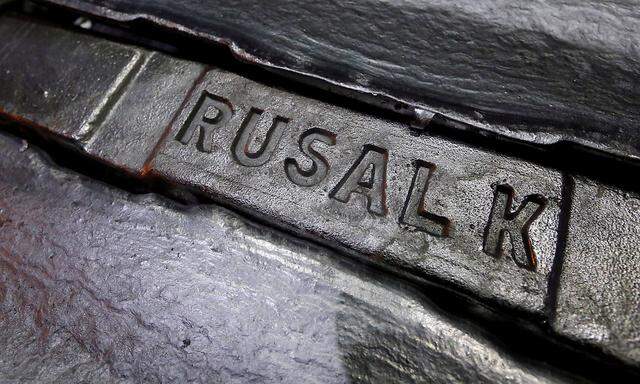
{"x": 99, "y": 285}
{"x": 540, "y": 71}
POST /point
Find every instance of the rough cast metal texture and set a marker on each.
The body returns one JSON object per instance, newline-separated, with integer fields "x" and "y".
{"x": 71, "y": 85}
{"x": 417, "y": 203}
{"x": 540, "y": 71}
{"x": 599, "y": 296}
{"x": 429, "y": 210}
{"x": 73, "y": 99}
{"x": 466, "y": 191}
{"x": 98, "y": 285}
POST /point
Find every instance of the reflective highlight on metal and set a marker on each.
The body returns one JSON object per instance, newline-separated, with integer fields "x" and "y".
{"x": 129, "y": 288}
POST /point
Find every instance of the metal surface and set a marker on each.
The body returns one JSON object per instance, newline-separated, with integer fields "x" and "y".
{"x": 541, "y": 71}
{"x": 98, "y": 285}
{"x": 76, "y": 85}
{"x": 73, "y": 100}
{"x": 423, "y": 206}
{"x": 599, "y": 296}
{"x": 417, "y": 203}
{"x": 426, "y": 210}
{"x": 144, "y": 111}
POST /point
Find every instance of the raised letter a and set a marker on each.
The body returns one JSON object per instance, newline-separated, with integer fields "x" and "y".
{"x": 367, "y": 176}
